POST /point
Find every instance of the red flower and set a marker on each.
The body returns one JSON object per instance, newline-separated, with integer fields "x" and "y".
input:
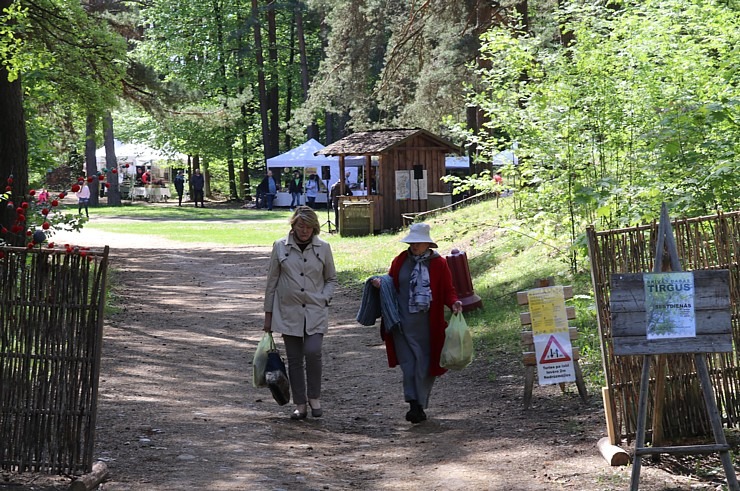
{"x": 24, "y": 205}
{"x": 8, "y": 188}
{"x": 101, "y": 177}
{"x": 107, "y": 184}
{"x": 32, "y": 192}
{"x": 45, "y": 211}
{"x": 62, "y": 195}
{"x": 115, "y": 171}
{"x": 55, "y": 203}
{"x": 31, "y": 244}
{"x": 29, "y": 233}
{"x": 90, "y": 179}
{"x": 10, "y": 180}
{"x": 45, "y": 225}
{"x": 21, "y": 218}
{"x": 75, "y": 188}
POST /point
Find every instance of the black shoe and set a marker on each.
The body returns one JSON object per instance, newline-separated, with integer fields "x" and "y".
{"x": 416, "y": 414}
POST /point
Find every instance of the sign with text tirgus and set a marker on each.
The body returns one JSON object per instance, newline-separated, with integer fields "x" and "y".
{"x": 669, "y": 305}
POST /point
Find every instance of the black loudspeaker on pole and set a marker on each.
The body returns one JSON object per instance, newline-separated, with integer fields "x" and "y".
{"x": 325, "y": 172}
{"x": 418, "y": 172}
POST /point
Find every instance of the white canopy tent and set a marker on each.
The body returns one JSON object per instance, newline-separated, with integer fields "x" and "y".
{"x": 505, "y": 157}
{"x": 303, "y": 156}
{"x": 136, "y": 154}
{"x": 457, "y": 162}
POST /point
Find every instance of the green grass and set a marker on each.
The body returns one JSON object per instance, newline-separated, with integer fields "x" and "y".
{"x": 503, "y": 258}
{"x": 228, "y": 227}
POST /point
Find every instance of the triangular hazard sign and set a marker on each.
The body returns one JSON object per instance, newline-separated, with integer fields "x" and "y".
{"x": 553, "y": 354}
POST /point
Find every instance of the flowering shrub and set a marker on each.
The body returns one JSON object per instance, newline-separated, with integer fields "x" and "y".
{"x": 37, "y": 218}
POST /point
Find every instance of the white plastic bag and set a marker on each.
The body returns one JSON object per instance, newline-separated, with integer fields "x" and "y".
{"x": 457, "y": 352}
{"x": 259, "y": 362}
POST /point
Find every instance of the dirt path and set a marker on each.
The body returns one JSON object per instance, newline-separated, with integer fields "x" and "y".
{"x": 177, "y": 410}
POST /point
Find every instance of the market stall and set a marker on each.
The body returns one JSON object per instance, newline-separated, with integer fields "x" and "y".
{"x": 327, "y": 168}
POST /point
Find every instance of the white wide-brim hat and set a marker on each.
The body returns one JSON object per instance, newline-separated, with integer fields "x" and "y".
{"x": 418, "y": 233}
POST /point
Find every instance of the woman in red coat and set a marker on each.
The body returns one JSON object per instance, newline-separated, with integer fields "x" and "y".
{"x": 424, "y": 286}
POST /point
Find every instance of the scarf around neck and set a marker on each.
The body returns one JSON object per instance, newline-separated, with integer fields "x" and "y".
{"x": 420, "y": 290}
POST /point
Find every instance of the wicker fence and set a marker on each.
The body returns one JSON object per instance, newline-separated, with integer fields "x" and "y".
{"x": 711, "y": 242}
{"x": 51, "y": 305}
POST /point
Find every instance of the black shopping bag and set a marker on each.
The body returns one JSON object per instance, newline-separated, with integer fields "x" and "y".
{"x": 277, "y": 378}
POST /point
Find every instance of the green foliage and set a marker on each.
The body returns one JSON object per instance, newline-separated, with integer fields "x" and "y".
{"x": 641, "y": 108}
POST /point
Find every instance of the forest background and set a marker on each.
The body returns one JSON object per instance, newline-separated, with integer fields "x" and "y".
{"x": 611, "y": 106}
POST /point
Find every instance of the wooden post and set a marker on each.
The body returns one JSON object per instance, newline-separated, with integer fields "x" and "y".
{"x": 612, "y": 453}
{"x": 89, "y": 481}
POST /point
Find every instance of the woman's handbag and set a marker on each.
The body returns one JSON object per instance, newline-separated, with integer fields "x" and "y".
{"x": 457, "y": 352}
{"x": 276, "y": 375}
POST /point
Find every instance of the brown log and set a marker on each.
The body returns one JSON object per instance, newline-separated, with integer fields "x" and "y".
{"x": 613, "y": 454}
{"x": 89, "y": 481}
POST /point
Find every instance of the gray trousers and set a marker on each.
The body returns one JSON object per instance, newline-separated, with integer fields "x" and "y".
{"x": 305, "y": 380}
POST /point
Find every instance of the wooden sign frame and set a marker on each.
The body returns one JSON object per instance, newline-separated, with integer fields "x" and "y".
{"x": 713, "y": 334}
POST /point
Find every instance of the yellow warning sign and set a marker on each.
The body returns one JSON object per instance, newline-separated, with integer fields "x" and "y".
{"x": 547, "y": 310}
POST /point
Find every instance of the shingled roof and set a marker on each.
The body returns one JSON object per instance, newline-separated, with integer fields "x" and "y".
{"x": 378, "y": 141}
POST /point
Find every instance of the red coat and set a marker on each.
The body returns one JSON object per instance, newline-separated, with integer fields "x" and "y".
{"x": 443, "y": 293}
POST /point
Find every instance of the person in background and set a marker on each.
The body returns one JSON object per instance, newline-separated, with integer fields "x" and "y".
{"x": 43, "y": 196}
{"x": 83, "y": 198}
{"x": 295, "y": 188}
{"x": 300, "y": 285}
{"x": 270, "y": 189}
{"x": 423, "y": 283}
{"x": 199, "y": 183}
{"x": 146, "y": 178}
{"x": 312, "y": 190}
{"x": 180, "y": 185}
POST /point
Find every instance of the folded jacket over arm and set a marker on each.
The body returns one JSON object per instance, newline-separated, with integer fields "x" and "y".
{"x": 379, "y": 302}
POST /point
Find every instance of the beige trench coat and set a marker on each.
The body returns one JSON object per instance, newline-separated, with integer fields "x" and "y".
{"x": 300, "y": 285}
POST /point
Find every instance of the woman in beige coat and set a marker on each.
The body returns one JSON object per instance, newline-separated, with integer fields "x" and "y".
{"x": 300, "y": 286}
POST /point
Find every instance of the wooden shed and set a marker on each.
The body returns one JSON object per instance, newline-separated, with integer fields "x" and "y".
{"x": 402, "y": 170}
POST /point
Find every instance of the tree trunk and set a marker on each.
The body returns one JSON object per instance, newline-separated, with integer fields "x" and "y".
{"x": 329, "y": 127}
{"x": 111, "y": 161}
{"x": 207, "y": 178}
{"x": 566, "y": 36}
{"x": 313, "y": 129}
{"x": 274, "y": 88}
{"x": 91, "y": 164}
{"x": 196, "y": 165}
{"x": 228, "y": 138}
{"x": 13, "y": 145}
{"x": 289, "y": 81}
{"x": 261, "y": 84}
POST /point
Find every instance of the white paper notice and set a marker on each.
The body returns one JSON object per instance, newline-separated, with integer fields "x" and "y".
{"x": 669, "y": 305}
